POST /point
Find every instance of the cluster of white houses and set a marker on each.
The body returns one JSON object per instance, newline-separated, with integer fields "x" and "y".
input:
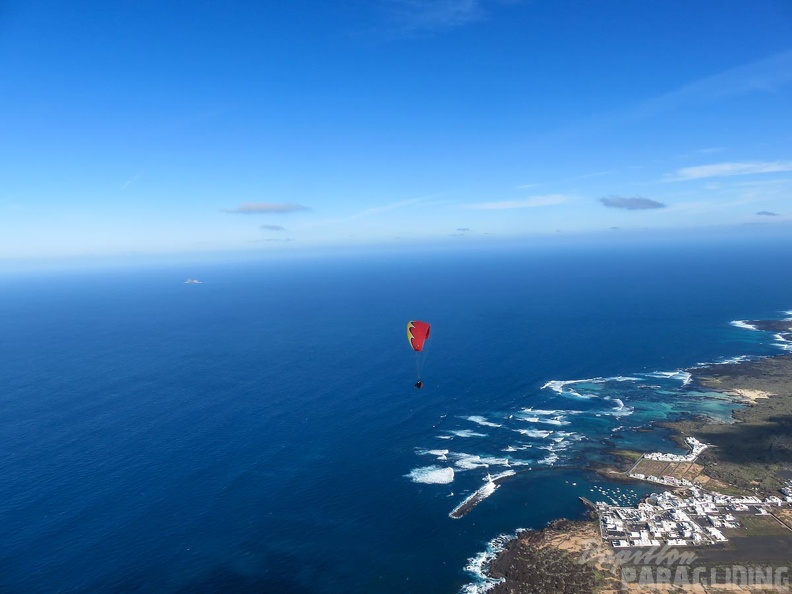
{"x": 675, "y": 520}
{"x": 671, "y": 519}
{"x": 669, "y": 481}
{"x": 696, "y": 447}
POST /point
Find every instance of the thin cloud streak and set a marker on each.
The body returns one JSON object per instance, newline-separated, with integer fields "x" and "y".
{"x": 533, "y": 202}
{"x": 595, "y": 174}
{"x": 130, "y": 181}
{"x": 265, "y": 208}
{"x": 430, "y": 15}
{"x": 369, "y": 212}
{"x": 727, "y": 169}
{"x": 764, "y": 75}
{"x": 388, "y": 207}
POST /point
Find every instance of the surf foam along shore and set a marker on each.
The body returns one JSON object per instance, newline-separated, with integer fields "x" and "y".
{"x": 480, "y": 566}
{"x": 491, "y": 484}
{"x": 781, "y": 329}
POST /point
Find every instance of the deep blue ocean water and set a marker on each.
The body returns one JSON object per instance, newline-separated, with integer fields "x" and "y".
{"x": 260, "y": 432}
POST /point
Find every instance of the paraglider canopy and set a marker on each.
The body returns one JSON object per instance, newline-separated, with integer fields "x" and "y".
{"x": 417, "y": 334}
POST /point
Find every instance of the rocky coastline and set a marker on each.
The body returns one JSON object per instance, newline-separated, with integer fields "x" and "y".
{"x": 751, "y": 455}
{"x": 548, "y": 561}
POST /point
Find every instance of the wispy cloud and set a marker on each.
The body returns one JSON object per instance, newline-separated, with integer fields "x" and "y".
{"x": 430, "y": 15}
{"x": 532, "y": 202}
{"x": 130, "y": 181}
{"x": 632, "y": 203}
{"x": 388, "y": 207}
{"x": 273, "y": 227}
{"x": 595, "y": 174}
{"x": 426, "y": 16}
{"x": 766, "y": 75}
{"x": 728, "y": 169}
{"x": 463, "y": 229}
{"x": 369, "y": 212}
{"x": 710, "y": 150}
{"x": 265, "y": 208}
{"x": 698, "y": 152}
{"x": 767, "y": 213}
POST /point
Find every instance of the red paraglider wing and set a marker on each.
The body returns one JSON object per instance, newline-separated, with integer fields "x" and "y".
{"x": 417, "y": 334}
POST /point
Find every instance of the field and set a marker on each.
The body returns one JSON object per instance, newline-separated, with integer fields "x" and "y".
{"x": 680, "y": 470}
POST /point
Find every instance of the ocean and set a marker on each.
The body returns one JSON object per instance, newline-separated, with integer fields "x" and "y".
{"x": 260, "y": 432}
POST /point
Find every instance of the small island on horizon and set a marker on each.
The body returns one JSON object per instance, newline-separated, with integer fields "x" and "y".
{"x": 722, "y": 510}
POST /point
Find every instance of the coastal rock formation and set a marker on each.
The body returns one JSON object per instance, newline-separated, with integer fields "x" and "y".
{"x": 548, "y": 562}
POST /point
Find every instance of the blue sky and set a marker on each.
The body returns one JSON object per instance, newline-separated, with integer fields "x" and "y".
{"x": 157, "y": 126}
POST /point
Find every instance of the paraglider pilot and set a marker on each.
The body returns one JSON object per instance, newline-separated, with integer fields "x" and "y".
{"x": 418, "y": 334}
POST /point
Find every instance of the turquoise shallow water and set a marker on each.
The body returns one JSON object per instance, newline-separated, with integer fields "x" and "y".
{"x": 260, "y": 431}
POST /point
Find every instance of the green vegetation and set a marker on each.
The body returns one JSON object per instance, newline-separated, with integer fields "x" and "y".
{"x": 630, "y": 455}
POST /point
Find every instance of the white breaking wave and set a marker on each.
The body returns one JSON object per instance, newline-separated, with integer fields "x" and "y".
{"x": 679, "y": 374}
{"x": 517, "y": 448}
{"x": 467, "y": 433}
{"x": 620, "y": 410}
{"x": 557, "y": 420}
{"x": 570, "y": 434}
{"x": 550, "y": 459}
{"x": 481, "y": 421}
{"x": 782, "y": 342}
{"x": 432, "y": 475}
{"x": 440, "y": 454}
{"x": 539, "y": 433}
{"x": 468, "y": 461}
{"x": 472, "y": 461}
{"x": 543, "y": 412}
{"x": 560, "y": 387}
{"x": 737, "y": 359}
{"x": 743, "y": 324}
